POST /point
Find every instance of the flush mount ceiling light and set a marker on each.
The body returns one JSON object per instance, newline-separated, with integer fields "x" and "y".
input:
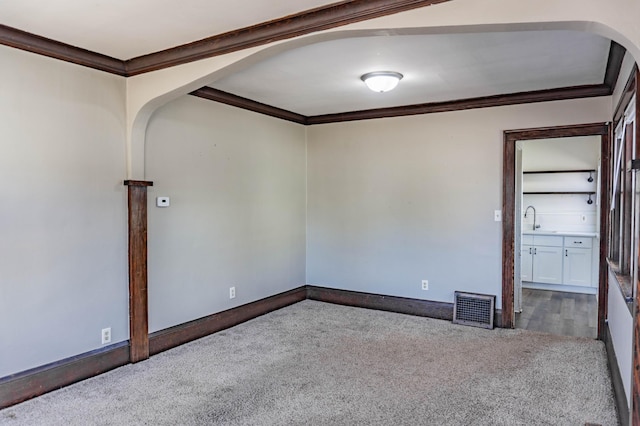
{"x": 381, "y": 81}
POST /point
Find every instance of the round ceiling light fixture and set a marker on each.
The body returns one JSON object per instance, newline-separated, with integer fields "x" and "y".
{"x": 381, "y": 81}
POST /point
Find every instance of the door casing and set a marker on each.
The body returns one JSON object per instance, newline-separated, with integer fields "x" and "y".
{"x": 509, "y": 204}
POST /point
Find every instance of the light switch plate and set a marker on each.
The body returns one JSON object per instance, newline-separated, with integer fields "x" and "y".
{"x": 497, "y": 215}
{"x": 163, "y": 202}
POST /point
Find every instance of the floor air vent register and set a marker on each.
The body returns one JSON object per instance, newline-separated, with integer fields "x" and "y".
{"x": 472, "y": 309}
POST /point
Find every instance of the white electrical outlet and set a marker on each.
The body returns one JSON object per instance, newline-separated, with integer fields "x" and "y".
{"x": 497, "y": 215}
{"x": 425, "y": 284}
{"x": 106, "y": 335}
{"x": 232, "y": 292}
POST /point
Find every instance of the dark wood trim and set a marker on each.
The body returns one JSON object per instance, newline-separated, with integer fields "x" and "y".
{"x": 137, "y": 183}
{"x": 54, "y": 49}
{"x": 183, "y": 333}
{"x": 464, "y": 104}
{"x": 244, "y": 103}
{"x": 533, "y": 172}
{"x": 309, "y": 21}
{"x": 559, "y": 193}
{"x": 635, "y": 385}
{"x": 508, "y": 210}
{"x": 592, "y": 129}
{"x": 401, "y": 111}
{"x": 38, "y": 381}
{"x": 614, "y": 64}
{"x": 616, "y": 379}
{"x": 306, "y": 22}
{"x": 627, "y": 94}
{"x": 401, "y": 305}
{"x": 31, "y": 383}
{"x": 603, "y": 265}
{"x": 508, "y": 229}
{"x": 318, "y": 19}
{"x": 322, "y": 18}
{"x": 138, "y": 306}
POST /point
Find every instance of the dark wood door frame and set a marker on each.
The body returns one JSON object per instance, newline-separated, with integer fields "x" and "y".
{"x": 508, "y": 210}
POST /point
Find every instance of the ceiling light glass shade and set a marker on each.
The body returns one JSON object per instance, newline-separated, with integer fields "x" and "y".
{"x": 381, "y": 81}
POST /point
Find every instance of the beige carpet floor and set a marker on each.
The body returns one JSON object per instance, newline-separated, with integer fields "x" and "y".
{"x": 314, "y": 363}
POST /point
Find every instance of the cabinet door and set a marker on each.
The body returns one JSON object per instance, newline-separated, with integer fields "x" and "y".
{"x": 547, "y": 265}
{"x": 526, "y": 266}
{"x": 577, "y": 267}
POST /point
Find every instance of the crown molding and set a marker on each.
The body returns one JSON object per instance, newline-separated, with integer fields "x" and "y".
{"x": 318, "y": 19}
{"x": 248, "y": 104}
{"x": 549, "y": 95}
{"x": 23, "y": 40}
{"x": 321, "y": 18}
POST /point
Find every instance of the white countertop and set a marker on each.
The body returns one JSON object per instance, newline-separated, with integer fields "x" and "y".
{"x": 561, "y": 233}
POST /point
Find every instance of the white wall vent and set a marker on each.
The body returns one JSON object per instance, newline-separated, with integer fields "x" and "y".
{"x": 473, "y": 309}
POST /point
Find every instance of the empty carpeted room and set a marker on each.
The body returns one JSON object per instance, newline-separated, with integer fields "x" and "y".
{"x": 213, "y": 216}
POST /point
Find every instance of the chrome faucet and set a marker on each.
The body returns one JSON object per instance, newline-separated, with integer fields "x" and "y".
{"x": 534, "y": 216}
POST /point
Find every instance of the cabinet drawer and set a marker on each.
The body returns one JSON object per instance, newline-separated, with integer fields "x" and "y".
{"x": 527, "y": 239}
{"x": 547, "y": 240}
{"x": 584, "y": 242}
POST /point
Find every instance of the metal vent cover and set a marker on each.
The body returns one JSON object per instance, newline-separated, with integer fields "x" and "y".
{"x": 472, "y": 309}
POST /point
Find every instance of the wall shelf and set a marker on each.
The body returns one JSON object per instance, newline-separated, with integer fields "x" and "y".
{"x": 558, "y": 171}
{"x": 562, "y": 192}
{"x": 540, "y": 172}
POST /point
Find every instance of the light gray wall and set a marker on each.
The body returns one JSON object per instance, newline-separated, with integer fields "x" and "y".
{"x": 394, "y": 201}
{"x": 621, "y": 325}
{"x": 237, "y": 217}
{"x": 390, "y": 202}
{"x": 63, "y": 250}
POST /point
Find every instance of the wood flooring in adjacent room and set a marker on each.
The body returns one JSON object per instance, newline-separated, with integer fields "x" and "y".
{"x": 555, "y": 312}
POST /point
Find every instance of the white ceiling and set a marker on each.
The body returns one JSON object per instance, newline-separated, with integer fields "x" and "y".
{"x": 324, "y": 77}
{"x": 125, "y": 29}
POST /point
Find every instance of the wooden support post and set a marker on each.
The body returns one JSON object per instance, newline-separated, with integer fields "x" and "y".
{"x": 138, "y": 309}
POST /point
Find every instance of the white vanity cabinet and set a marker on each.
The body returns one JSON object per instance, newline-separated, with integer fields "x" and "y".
{"x": 526, "y": 268}
{"x": 577, "y": 261}
{"x": 561, "y": 260}
{"x": 542, "y": 259}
